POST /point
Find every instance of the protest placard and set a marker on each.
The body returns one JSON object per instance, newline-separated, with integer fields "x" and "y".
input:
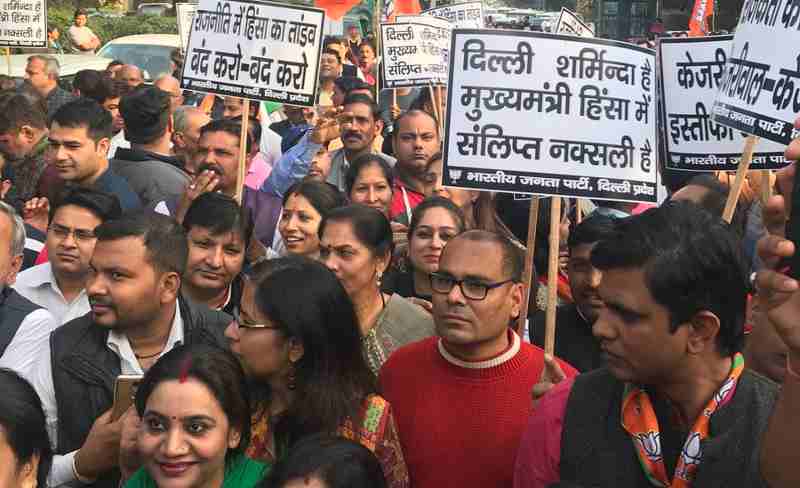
{"x": 759, "y": 93}
{"x": 551, "y": 115}
{"x": 467, "y": 15}
{"x": 692, "y": 69}
{"x": 415, "y": 51}
{"x": 255, "y": 50}
{"x": 570, "y": 24}
{"x": 23, "y": 23}
{"x": 185, "y": 13}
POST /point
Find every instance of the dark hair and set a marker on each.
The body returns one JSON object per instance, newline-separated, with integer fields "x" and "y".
{"x": 691, "y": 261}
{"x": 85, "y": 112}
{"x": 366, "y": 161}
{"x": 715, "y": 199}
{"x": 336, "y": 461}
{"x": 370, "y": 227}
{"x": 86, "y": 81}
{"x": 592, "y": 229}
{"x": 361, "y": 85}
{"x": 436, "y": 202}
{"x": 103, "y": 205}
{"x": 368, "y": 43}
{"x": 422, "y": 99}
{"x": 80, "y": 11}
{"x": 365, "y": 100}
{"x": 253, "y": 131}
{"x": 146, "y": 114}
{"x": 323, "y": 196}
{"x": 51, "y": 28}
{"x": 413, "y": 113}
{"x": 18, "y": 111}
{"x": 307, "y": 301}
{"x": 219, "y": 214}
{"x": 23, "y": 422}
{"x": 346, "y": 83}
{"x": 108, "y": 88}
{"x": 115, "y": 62}
{"x": 511, "y": 256}
{"x": 232, "y": 126}
{"x": 164, "y": 238}
{"x": 332, "y": 52}
{"x": 219, "y": 371}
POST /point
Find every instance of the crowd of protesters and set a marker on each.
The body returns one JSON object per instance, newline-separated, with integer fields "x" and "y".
{"x": 345, "y": 320}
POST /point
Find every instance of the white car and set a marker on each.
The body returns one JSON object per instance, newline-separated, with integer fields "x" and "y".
{"x": 69, "y": 65}
{"x": 150, "y": 52}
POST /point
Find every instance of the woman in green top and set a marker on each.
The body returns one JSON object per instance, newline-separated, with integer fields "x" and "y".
{"x": 195, "y": 426}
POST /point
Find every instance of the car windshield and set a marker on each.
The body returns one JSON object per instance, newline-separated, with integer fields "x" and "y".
{"x": 153, "y": 60}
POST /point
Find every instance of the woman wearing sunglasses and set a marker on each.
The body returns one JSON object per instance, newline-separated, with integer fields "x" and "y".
{"x": 297, "y": 336}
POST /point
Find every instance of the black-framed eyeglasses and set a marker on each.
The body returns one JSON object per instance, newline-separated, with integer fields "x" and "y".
{"x": 81, "y": 235}
{"x": 471, "y": 289}
{"x": 246, "y": 325}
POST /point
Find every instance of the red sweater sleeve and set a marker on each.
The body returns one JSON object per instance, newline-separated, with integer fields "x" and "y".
{"x": 539, "y": 451}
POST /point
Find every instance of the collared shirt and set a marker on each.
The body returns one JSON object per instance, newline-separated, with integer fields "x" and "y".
{"x": 38, "y": 284}
{"x": 258, "y": 171}
{"x": 56, "y": 98}
{"x": 117, "y": 142}
{"x": 42, "y": 381}
{"x": 32, "y": 336}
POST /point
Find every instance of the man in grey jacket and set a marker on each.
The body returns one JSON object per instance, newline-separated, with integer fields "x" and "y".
{"x": 149, "y": 166}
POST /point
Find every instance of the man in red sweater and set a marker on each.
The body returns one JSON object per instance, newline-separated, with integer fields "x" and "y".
{"x": 461, "y": 400}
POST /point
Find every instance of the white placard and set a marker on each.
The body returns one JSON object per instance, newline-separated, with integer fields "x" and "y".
{"x": 570, "y": 24}
{"x": 185, "y": 13}
{"x": 23, "y": 23}
{"x": 760, "y": 92}
{"x": 691, "y": 73}
{"x": 551, "y": 115}
{"x": 256, "y": 50}
{"x": 415, "y": 51}
{"x": 467, "y": 15}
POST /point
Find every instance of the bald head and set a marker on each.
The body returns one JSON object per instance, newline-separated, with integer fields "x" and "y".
{"x": 130, "y": 74}
{"x": 187, "y": 123}
{"x": 171, "y": 85}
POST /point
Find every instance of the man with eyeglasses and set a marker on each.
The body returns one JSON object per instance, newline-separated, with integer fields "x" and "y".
{"x": 137, "y": 315}
{"x": 461, "y": 399}
{"x": 59, "y": 284}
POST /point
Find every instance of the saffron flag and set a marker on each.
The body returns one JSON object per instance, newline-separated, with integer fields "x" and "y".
{"x": 335, "y": 9}
{"x": 393, "y": 8}
{"x": 698, "y": 22}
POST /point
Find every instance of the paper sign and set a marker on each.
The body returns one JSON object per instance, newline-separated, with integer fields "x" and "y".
{"x": 185, "y": 14}
{"x": 570, "y": 24}
{"x": 691, "y": 74}
{"x": 415, "y": 51}
{"x": 551, "y": 115}
{"x": 461, "y": 15}
{"x": 256, "y": 50}
{"x": 760, "y": 90}
{"x": 23, "y": 23}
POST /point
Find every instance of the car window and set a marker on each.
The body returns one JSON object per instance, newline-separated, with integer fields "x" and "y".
{"x": 153, "y": 60}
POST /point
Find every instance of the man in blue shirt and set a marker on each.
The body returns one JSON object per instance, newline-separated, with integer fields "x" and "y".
{"x": 79, "y": 138}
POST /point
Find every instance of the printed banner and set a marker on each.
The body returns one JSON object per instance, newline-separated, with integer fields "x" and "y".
{"x": 760, "y": 91}
{"x": 551, "y": 115}
{"x": 462, "y": 15}
{"x": 257, "y": 50}
{"x": 691, "y": 73}
{"x": 23, "y": 23}
{"x": 415, "y": 51}
{"x": 570, "y": 24}
{"x": 185, "y": 14}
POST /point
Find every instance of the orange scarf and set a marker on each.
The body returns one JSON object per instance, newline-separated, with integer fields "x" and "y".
{"x": 639, "y": 420}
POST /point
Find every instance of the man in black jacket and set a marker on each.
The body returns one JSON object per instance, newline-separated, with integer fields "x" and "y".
{"x": 137, "y": 315}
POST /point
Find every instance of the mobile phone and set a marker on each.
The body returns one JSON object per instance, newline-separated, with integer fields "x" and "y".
{"x": 124, "y": 393}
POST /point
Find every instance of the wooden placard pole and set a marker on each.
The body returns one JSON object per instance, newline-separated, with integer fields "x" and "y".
{"x": 766, "y": 186}
{"x": 552, "y": 277}
{"x": 243, "y": 150}
{"x": 378, "y": 58}
{"x": 578, "y": 211}
{"x": 435, "y": 105}
{"x": 527, "y": 273}
{"x": 738, "y": 182}
{"x": 440, "y": 96}
{"x": 8, "y": 59}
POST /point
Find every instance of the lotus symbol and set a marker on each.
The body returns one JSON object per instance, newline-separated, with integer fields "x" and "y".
{"x": 692, "y": 452}
{"x": 650, "y": 444}
{"x": 455, "y": 174}
{"x": 723, "y": 392}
